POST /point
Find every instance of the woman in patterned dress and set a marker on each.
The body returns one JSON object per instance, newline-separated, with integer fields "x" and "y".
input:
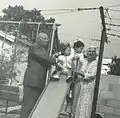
{"x": 84, "y": 102}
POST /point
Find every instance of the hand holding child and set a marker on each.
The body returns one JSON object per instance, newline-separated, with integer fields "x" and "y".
{"x": 60, "y": 63}
{"x": 76, "y": 57}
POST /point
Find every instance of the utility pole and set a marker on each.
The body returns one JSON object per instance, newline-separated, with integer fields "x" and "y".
{"x": 103, "y": 40}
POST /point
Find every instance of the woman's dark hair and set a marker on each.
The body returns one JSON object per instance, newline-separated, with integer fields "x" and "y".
{"x": 78, "y": 44}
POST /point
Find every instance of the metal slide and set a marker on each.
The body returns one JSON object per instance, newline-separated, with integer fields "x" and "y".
{"x": 50, "y": 104}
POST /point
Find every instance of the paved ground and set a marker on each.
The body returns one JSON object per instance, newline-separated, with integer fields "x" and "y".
{"x": 8, "y": 116}
{"x": 2, "y": 115}
{"x": 17, "y": 116}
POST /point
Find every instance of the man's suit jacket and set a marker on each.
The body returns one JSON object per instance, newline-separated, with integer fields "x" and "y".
{"x": 38, "y": 62}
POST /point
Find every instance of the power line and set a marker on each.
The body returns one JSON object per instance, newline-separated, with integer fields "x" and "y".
{"x": 107, "y": 15}
{"x": 57, "y": 9}
{"x": 75, "y": 9}
{"x": 87, "y": 38}
{"x": 112, "y": 24}
{"x": 113, "y": 38}
{"x": 82, "y": 9}
{"x": 116, "y": 10}
{"x": 113, "y": 35}
{"x": 112, "y": 18}
{"x": 117, "y": 5}
{"x": 69, "y": 10}
{"x": 113, "y": 30}
{"x": 57, "y": 13}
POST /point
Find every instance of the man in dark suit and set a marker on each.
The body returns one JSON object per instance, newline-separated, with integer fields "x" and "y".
{"x": 34, "y": 78}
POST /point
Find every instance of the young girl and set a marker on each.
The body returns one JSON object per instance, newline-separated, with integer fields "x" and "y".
{"x": 64, "y": 63}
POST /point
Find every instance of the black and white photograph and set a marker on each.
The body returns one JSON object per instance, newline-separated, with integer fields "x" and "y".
{"x": 60, "y": 59}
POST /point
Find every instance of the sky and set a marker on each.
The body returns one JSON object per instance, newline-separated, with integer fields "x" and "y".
{"x": 85, "y": 24}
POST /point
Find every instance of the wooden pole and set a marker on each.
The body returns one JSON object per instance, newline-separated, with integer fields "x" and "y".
{"x": 103, "y": 39}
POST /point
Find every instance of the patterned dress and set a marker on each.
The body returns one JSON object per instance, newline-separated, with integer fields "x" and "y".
{"x": 85, "y": 98}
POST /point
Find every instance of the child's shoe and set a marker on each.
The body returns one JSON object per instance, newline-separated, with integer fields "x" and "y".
{"x": 69, "y": 79}
{"x": 54, "y": 78}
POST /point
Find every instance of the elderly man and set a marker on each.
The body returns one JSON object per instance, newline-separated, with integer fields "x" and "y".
{"x": 34, "y": 78}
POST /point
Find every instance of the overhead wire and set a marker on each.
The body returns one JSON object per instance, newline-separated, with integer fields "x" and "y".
{"x": 111, "y": 34}
{"x": 78, "y": 9}
{"x": 118, "y": 19}
{"x": 68, "y": 10}
{"x": 113, "y": 30}
{"x": 116, "y": 5}
{"x": 57, "y": 13}
{"x": 107, "y": 14}
{"x": 56, "y": 9}
{"x": 82, "y": 9}
{"x": 111, "y": 24}
{"x": 86, "y": 38}
{"x": 115, "y": 10}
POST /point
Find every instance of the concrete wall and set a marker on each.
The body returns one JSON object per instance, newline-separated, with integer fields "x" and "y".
{"x": 109, "y": 96}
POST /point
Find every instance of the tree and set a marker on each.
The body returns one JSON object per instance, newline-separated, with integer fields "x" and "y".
{"x": 115, "y": 66}
{"x": 18, "y": 13}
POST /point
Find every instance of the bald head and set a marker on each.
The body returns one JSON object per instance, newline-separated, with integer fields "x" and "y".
{"x": 42, "y": 38}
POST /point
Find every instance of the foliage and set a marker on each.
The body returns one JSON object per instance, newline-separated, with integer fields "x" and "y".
{"x": 18, "y": 13}
{"x": 115, "y": 66}
{"x": 7, "y": 61}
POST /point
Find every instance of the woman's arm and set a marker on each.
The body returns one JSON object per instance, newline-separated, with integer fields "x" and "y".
{"x": 91, "y": 73}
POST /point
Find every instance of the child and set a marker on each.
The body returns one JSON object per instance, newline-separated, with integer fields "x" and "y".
{"x": 64, "y": 63}
{"x": 78, "y": 53}
{"x": 98, "y": 116}
{"x": 79, "y": 71}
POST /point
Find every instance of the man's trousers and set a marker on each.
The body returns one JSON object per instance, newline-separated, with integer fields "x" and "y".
{"x": 31, "y": 95}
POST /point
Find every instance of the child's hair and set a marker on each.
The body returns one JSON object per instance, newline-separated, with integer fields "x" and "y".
{"x": 78, "y": 44}
{"x": 98, "y": 116}
{"x": 64, "y": 46}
